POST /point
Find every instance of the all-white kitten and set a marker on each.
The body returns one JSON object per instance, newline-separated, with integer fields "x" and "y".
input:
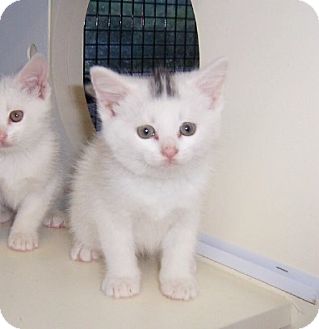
{"x": 140, "y": 183}
{"x": 29, "y": 155}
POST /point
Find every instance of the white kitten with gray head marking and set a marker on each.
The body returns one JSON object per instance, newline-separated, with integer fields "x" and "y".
{"x": 29, "y": 155}
{"x": 139, "y": 184}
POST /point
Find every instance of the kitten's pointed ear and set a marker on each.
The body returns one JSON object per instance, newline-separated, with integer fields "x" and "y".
{"x": 34, "y": 76}
{"x": 110, "y": 87}
{"x": 211, "y": 79}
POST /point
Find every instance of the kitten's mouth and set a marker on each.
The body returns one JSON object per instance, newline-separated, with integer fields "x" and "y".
{"x": 170, "y": 162}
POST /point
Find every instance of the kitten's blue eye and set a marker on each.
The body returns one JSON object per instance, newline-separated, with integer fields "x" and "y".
{"x": 187, "y": 129}
{"x": 146, "y": 131}
{"x": 16, "y": 116}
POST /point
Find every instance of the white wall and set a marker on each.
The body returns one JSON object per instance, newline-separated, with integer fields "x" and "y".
{"x": 265, "y": 192}
{"x": 23, "y": 23}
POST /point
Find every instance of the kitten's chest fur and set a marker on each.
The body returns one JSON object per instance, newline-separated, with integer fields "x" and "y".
{"x": 23, "y": 173}
{"x": 15, "y": 184}
{"x": 155, "y": 198}
{"x": 155, "y": 205}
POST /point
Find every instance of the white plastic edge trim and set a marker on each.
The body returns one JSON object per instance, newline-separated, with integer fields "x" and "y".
{"x": 285, "y": 278}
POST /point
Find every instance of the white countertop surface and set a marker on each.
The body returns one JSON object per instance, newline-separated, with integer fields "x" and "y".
{"x": 45, "y": 289}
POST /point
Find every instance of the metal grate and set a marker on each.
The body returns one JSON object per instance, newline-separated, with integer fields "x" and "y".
{"x": 136, "y": 36}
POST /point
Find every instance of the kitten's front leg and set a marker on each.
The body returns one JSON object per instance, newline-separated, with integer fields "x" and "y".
{"x": 177, "y": 274}
{"x": 5, "y": 214}
{"x": 24, "y": 231}
{"x": 123, "y": 275}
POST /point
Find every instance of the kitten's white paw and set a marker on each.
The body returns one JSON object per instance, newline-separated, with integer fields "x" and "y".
{"x": 180, "y": 289}
{"x": 56, "y": 221}
{"x": 23, "y": 241}
{"x": 120, "y": 287}
{"x": 82, "y": 253}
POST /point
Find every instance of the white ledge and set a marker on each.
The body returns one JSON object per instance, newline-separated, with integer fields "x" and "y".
{"x": 290, "y": 280}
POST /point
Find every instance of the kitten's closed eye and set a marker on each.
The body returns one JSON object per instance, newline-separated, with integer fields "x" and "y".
{"x": 16, "y": 116}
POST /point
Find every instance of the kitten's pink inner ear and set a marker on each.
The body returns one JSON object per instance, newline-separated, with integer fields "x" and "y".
{"x": 211, "y": 80}
{"x": 110, "y": 88}
{"x": 34, "y": 76}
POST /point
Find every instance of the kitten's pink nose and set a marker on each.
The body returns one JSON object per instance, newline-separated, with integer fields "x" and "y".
{"x": 169, "y": 151}
{"x": 3, "y": 136}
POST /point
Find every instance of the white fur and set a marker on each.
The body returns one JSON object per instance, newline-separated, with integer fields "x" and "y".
{"x": 30, "y": 180}
{"x": 127, "y": 198}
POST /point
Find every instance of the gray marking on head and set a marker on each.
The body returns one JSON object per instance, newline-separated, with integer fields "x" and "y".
{"x": 162, "y": 83}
